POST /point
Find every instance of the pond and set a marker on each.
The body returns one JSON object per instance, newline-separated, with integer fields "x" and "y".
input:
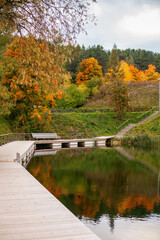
{"x": 115, "y": 192}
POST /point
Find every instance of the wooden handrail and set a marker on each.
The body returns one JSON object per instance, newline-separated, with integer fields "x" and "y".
{"x": 122, "y": 124}
{"x": 9, "y": 137}
{"x": 136, "y": 117}
{"x": 146, "y": 112}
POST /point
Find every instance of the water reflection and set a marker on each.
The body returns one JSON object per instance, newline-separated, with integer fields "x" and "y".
{"x": 114, "y": 194}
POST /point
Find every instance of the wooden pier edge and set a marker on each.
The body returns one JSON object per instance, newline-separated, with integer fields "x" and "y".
{"x": 28, "y": 211}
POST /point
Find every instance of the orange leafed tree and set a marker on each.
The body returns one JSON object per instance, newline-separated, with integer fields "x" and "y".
{"x": 151, "y": 74}
{"x": 88, "y": 69}
{"x": 31, "y": 77}
{"x": 137, "y": 75}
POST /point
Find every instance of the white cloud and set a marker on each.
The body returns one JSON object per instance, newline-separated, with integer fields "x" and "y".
{"x": 128, "y": 23}
{"x": 143, "y": 26}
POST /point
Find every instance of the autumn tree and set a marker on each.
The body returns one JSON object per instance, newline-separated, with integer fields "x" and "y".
{"x": 125, "y": 68}
{"x": 88, "y": 69}
{"x": 5, "y": 38}
{"x": 98, "y": 53}
{"x": 45, "y": 18}
{"x": 118, "y": 93}
{"x": 137, "y": 75}
{"x": 151, "y": 74}
{"x": 31, "y": 78}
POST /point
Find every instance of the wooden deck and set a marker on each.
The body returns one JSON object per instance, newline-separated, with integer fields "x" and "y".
{"x": 27, "y": 210}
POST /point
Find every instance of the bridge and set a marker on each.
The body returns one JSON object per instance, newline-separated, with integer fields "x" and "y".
{"x": 27, "y": 210}
{"x": 74, "y": 143}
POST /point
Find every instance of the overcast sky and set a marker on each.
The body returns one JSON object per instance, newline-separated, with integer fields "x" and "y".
{"x": 128, "y": 23}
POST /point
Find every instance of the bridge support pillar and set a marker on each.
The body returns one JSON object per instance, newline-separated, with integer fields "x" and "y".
{"x": 56, "y": 145}
{"x": 101, "y": 143}
{"x": 73, "y": 144}
{"x": 89, "y": 144}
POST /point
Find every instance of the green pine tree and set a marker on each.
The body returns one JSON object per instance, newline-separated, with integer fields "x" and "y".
{"x": 113, "y": 58}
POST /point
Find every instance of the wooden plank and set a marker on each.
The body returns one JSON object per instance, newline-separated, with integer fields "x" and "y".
{"x": 29, "y": 212}
{"x": 8, "y": 151}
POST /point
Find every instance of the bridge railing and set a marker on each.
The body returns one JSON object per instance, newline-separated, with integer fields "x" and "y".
{"x": 6, "y": 138}
{"x": 144, "y": 115}
{"x": 123, "y": 125}
{"x": 137, "y": 119}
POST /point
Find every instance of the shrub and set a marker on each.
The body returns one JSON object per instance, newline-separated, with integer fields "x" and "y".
{"x": 94, "y": 85}
{"x": 72, "y": 97}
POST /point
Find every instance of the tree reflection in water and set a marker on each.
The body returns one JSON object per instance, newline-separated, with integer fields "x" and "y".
{"x": 102, "y": 182}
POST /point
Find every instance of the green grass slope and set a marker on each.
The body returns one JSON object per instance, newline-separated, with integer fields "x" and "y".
{"x": 87, "y": 124}
{"x": 151, "y": 127}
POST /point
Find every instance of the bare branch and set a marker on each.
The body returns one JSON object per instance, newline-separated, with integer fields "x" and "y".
{"x": 49, "y": 18}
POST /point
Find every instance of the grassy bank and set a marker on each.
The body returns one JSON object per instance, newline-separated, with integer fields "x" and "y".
{"x": 88, "y": 124}
{"x": 145, "y": 135}
{"x": 141, "y": 141}
{"x": 151, "y": 127}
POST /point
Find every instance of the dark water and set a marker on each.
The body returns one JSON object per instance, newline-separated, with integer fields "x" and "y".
{"x": 118, "y": 197}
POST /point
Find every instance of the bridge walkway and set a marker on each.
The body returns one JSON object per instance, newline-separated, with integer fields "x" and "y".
{"x": 27, "y": 210}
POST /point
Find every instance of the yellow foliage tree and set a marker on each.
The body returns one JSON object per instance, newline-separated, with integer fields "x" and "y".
{"x": 32, "y": 76}
{"x": 88, "y": 69}
{"x": 125, "y": 68}
{"x": 131, "y": 73}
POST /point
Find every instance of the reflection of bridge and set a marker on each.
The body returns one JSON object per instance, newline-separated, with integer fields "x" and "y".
{"x": 27, "y": 209}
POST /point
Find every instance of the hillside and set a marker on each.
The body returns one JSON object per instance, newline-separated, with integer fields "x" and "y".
{"x": 151, "y": 127}
{"x": 88, "y": 124}
{"x": 141, "y": 95}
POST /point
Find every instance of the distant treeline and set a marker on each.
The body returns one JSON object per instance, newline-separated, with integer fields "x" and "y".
{"x": 139, "y": 58}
